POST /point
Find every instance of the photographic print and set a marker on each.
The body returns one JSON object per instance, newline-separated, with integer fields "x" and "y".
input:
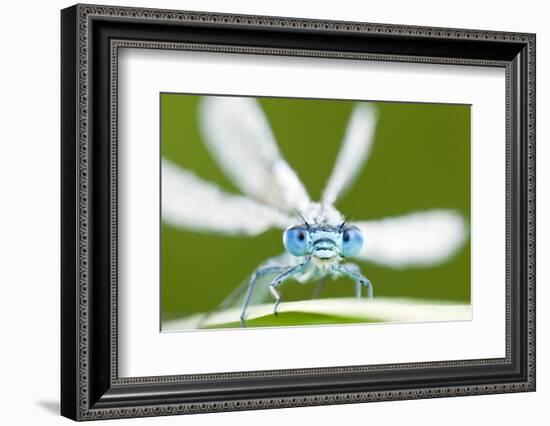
{"x": 284, "y": 212}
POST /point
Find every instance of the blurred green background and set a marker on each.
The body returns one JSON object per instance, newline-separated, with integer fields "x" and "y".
{"x": 420, "y": 160}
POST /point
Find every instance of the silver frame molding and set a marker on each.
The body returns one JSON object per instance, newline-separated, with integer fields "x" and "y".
{"x": 91, "y": 39}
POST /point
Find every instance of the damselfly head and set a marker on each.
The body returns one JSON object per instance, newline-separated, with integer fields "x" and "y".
{"x": 323, "y": 241}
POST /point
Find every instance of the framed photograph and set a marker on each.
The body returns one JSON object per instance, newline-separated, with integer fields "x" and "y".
{"x": 263, "y": 212}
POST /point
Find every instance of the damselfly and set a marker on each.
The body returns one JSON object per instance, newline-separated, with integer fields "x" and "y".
{"x": 317, "y": 239}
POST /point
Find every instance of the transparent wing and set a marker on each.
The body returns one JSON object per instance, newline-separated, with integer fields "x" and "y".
{"x": 417, "y": 239}
{"x": 192, "y": 203}
{"x": 238, "y": 136}
{"x": 229, "y": 310}
{"x": 260, "y": 291}
{"x": 354, "y": 152}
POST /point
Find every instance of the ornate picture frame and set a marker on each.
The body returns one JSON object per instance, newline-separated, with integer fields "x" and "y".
{"x": 91, "y": 38}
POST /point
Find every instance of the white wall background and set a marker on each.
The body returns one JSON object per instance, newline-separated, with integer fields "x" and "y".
{"x": 29, "y": 211}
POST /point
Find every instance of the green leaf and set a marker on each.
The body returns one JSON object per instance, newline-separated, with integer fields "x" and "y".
{"x": 326, "y": 312}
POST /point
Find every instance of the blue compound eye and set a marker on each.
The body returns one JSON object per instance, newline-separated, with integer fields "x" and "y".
{"x": 352, "y": 241}
{"x": 296, "y": 240}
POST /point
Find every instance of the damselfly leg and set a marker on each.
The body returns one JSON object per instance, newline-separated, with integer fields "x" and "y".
{"x": 259, "y": 273}
{"x": 351, "y": 270}
{"x": 281, "y": 279}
